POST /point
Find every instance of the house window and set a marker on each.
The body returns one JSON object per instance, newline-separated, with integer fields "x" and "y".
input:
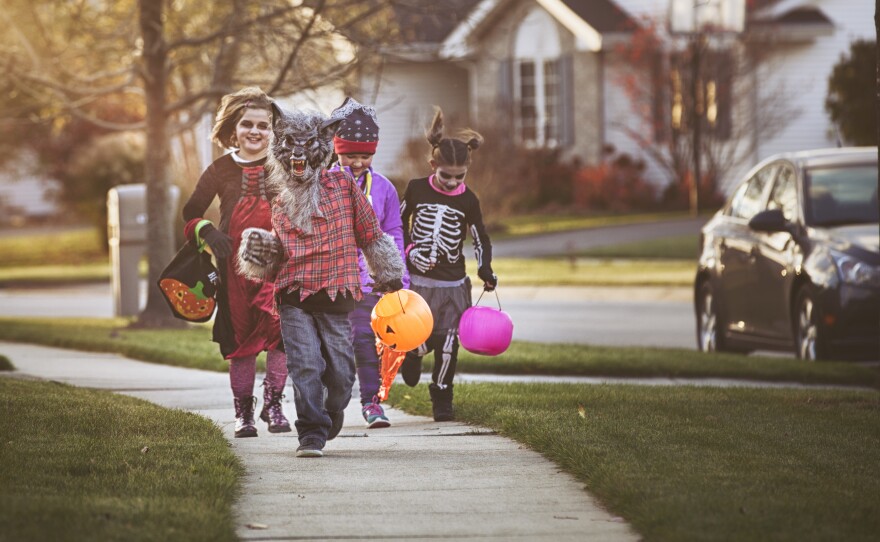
{"x": 551, "y": 103}
{"x": 714, "y": 99}
{"x": 536, "y": 84}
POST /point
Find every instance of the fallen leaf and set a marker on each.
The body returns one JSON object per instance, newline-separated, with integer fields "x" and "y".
{"x": 582, "y": 412}
{"x": 145, "y": 449}
{"x": 257, "y": 526}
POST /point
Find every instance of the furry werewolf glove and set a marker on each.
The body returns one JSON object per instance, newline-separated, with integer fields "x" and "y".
{"x": 385, "y": 263}
{"x": 259, "y": 254}
{"x": 391, "y": 286}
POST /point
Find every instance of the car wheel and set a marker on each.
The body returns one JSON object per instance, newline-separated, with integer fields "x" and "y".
{"x": 709, "y": 339}
{"x": 808, "y": 335}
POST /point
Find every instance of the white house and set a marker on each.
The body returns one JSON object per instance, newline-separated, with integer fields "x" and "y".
{"x": 548, "y": 69}
{"x": 26, "y": 195}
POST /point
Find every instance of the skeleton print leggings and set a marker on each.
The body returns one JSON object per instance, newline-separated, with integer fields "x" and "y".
{"x": 447, "y": 305}
{"x": 445, "y": 348}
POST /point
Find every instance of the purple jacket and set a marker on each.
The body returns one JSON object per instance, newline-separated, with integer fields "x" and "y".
{"x": 386, "y": 204}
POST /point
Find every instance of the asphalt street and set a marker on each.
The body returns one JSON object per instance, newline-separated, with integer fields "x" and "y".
{"x": 602, "y": 316}
{"x": 661, "y": 317}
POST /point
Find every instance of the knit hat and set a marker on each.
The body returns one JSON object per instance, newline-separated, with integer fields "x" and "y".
{"x": 358, "y": 133}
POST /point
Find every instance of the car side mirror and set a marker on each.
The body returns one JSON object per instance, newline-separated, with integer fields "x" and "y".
{"x": 770, "y": 221}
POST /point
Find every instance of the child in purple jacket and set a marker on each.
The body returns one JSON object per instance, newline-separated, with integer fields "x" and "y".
{"x": 355, "y": 143}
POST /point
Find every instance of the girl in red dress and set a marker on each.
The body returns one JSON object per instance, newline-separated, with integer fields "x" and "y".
{"x": 245, "y": 324}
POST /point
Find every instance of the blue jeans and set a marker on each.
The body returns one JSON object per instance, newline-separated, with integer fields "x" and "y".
{"x": 364, "y": 341}
{"x": 319, "y": 356}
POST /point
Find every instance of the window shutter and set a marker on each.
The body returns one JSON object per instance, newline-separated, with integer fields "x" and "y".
{"x": 565, "y": 110}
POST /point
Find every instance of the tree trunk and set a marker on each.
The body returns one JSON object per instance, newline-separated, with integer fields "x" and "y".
{"x": 160, "y": 239}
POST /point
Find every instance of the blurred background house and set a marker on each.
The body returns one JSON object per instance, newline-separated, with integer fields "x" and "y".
{"x": 568, "y": 76}
{"x": 585, "y": 104}
{"x": 27, "y": 197}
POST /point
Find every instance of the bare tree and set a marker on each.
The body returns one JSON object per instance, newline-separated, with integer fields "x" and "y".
{"x": 724, "y": 102}
{"x": 171, "y": 62}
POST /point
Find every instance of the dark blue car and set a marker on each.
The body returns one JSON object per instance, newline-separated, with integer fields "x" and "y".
{"x": 792, "y": 260}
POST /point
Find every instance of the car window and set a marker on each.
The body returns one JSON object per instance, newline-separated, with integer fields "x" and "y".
{"x": 842, "y": 195}
{"x": 784, "y": 195}
{"x": 746, "y": 201}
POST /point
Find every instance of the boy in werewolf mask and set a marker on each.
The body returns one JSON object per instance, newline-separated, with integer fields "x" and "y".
{"x": 319, "y": 220}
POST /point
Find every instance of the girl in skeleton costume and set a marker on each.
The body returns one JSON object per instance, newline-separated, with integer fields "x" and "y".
{"x": 245, "y": 324}
{"x": 438, "y": 212}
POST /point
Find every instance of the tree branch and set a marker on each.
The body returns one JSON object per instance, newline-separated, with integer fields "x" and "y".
{"x": 304, "y": 35}
{"x": 232, "y": 30}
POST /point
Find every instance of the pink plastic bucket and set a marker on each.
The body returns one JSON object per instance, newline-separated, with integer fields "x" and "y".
{"x": 485, "y": 331}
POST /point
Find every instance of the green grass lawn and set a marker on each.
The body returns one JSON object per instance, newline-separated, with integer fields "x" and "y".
{"x": 689, "y": 463}
{"x": 190, "y": 347}
{"x": 51, "y": 275}
{"x": 542, "y": 223}
{"x": 80, "y": 464}
{"x": 677, "y": 247}
{"x": 77, "y": 257}
{"x": 512, "y": 271}
{"x": 592, "y": 272}
{"x": 676, "y": 462}
{"x": 70, "y": 248}
{"x": 193, "y": 348}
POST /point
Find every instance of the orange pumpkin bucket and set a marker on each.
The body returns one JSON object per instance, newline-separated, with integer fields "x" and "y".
{"x": 402, "y": 320}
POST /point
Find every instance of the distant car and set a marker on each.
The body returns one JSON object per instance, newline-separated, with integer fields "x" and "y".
{"x": 792, "y": 260}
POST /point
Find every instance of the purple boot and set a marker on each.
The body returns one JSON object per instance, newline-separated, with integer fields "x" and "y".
{"x": 272, "y": 412}
{"x": 245, "y": 426}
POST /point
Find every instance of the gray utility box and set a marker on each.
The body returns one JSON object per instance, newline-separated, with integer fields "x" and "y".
{"x": 127, "y": 235}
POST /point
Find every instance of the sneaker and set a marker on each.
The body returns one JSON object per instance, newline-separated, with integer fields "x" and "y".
{"x": 337, "y": 418}
{"x": 411, "y": 370}
{"x": 374, "y": 415}
{"x": 309, "y": 450}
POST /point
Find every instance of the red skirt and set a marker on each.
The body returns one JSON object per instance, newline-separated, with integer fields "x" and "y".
{"x": 254, "y": 321}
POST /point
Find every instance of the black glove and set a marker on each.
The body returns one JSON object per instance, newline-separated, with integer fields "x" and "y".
{"x": 387, "y": 287}
{"x": 490, "y": 280}
{"x": 220, "y": 243}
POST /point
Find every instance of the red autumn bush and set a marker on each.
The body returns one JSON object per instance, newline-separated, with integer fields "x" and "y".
{"x": 616, "y": 184}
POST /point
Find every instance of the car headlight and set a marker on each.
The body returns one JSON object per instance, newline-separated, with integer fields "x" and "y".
{"x": 854, "y": 271}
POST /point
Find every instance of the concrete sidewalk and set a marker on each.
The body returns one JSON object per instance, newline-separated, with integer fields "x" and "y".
{"x": 416, "y": 480}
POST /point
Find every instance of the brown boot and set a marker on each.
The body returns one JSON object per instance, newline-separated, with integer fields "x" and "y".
{"x": 245, "y": 426}
{"x": 272, "y": 412}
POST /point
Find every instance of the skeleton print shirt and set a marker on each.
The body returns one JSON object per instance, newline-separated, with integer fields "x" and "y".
{"x": 435, "y": 226}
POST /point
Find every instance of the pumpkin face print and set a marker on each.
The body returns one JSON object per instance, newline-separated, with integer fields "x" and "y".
{"x": 402, "y": 320}
{"x": 191, "y": 303}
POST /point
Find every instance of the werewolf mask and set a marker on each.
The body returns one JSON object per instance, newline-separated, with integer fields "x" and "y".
{"x": 302, "y": 146}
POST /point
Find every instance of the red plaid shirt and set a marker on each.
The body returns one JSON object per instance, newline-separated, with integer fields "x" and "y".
{"x": 327, "y": 257}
